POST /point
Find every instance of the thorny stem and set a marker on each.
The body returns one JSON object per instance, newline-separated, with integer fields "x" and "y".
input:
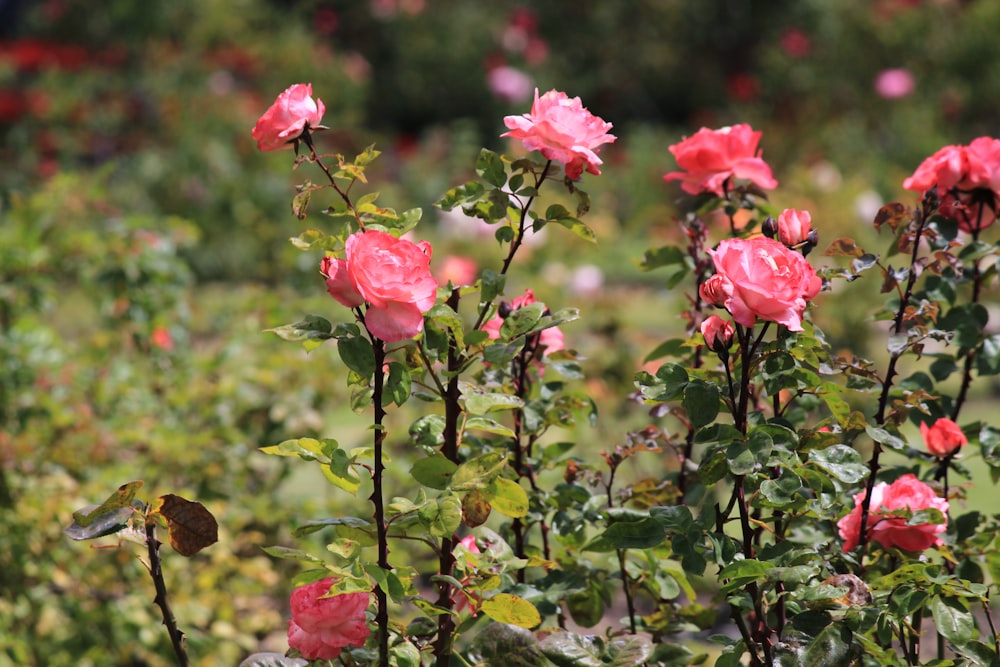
{"x": 313, "y": 157}
{"x": 156, "y": 572}
{"x": 382, "y": 611}
{"x": 977, "y": 284}
{"x": 626, "y": 580}
{"x": 883, "y": 402}
{"x": 446, "y": 561}
{"x": 522, "y": 385}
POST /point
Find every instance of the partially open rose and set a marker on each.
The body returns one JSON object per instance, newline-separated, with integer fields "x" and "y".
{"x": 322, "y": 626}
{"x": 906, "y": 493}
{"x": 288, "y": 118}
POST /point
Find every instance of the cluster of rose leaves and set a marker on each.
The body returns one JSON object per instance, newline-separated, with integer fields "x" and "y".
{"x": 387, "y": 282}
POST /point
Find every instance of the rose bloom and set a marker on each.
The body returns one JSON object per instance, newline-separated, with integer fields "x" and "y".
{"x": 563, "y": 130}
{"x": 907, "y": 492}
{"x": 716, "y": 290}
{"x": 718, "y": 333}
{"x": 710, "y": 158}
{"x": 391, "y": 275}
{"x": 794, "y": 226}
{"x": 967, "y": 179}
{"x": 764, "y": 280}
{"x": 551, "y": 339}
{"x": 321, "y": 627}
{"x": 291, "y": 114}
{"x": 943, "y": 438}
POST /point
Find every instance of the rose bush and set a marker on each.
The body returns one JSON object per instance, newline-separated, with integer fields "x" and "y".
{"x": 391, "y": 275}
{"x": 761, "y": 278}
{"x": 293, "y": 112}
{"x": 889, "y": 523}
{"x": 711, "y": 159}
{"x": 943, "y": 438}
{"x": 550, "y": 339}
{"x": 563, "y": 131}
{"x": 322, "y": 626}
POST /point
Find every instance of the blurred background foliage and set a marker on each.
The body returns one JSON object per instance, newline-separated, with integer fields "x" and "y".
{"x": 143, "y": 239}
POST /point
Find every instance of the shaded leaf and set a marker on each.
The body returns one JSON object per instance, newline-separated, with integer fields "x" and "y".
{"x": 119, "y": 500}
{"x": 190, "y": 526}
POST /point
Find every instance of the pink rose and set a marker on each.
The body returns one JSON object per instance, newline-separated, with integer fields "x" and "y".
{"x": 794, "y": 227}
{"x": 967, "y": 179}
{"x": 563, "y": 130}
{"x": 716, "y": 290}
{"x": 906, "y": 493}
{"x": 391, "y": 275}
{"x": 767, "y": 281}
{"x": 291, "y": 114}
{"x": 551, "y": 339}
{"x": 322, "y": 626}
{"x": 718, "y": 333}
{"x": 710, "y": 158}
{"x": 943, "y": 438}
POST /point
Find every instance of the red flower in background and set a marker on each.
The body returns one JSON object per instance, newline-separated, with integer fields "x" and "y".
{"x": 392, "y": 275}
{"x": 563, "y": 131}
{"x": 291, "y": 114}
{"x": 710, "y": 158}
{"x": 322, "y": 626}
{"x": 906, "y": 493}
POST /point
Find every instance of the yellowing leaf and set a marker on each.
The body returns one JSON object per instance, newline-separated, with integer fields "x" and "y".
{"x": 511, "y": 609}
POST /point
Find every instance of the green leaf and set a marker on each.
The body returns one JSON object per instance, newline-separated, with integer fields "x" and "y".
{"x": 840, "y": 461}
{"x": 953, "y": 622}
{"x": 830, "y": 648}
{"x": 292, "y": 554}
{"x": 311, "y": 331}
{"x": 511, "y": 609}
{"x": 105, "y": 523}
{"x": 644, "y": 534}
{"x": 478, "y": 401}
{"x": 469, "y": 192}
{"x": 490, "y": 168}
{"x": 478, "y": 472}
{"x": 307, "y": 449}
{"x": 665, "y": 256}
{"x": 340, "y": 471}
{"x": 434, "y": 471}
{"x": 488, "y": 425}
{"x": 121, "y": 499}
{"x": 701, "y": 401}
{"x": 357, "y": 354}
{"x": 579, "y": 228}
{"x": 508, "y": 497}
{"x": 398, "y": 384}
{"x": 743, "y": 572}
{"x": 567, "y": 649}
{"x": 441, "y": 516}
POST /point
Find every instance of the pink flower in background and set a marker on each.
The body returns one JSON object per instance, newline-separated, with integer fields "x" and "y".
{"x": 718, "y": 333}
{"x": 906, "y": 493}
{"x": 551, "y": 339}
{"x": 967, "y": 179}
{"x": 458, "y": 270}
{"x": 161, "y": 338}
{"x": 768, "y": 281}
{"x": 710, "y": 158}
{"x": 392, "y": 275}
{"x": 894, "y": 83}
{"x": 943, "y": 438}
{"x": 794, "y": 226}
{"x": 563, "y": 131}
{"x": 509, "y": 84}
{"x": 289, "y": 116}
{"x": 321, "y": 627}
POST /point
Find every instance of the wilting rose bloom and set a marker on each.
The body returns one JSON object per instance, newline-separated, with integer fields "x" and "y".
{"x": 551, "y": 339}
{"x": 321, "y": 627}
{"x": 764, "y": 280}
{"x": 391, "y": 275}
{"x": 967, "y": 179}
{"x": 563, "y": 131}
{"x": 906, "y": 493}
{"x": 943, "y": 438}
{"x": 894, "y": 83}
{"x": 718, "y": 333}
{"x": 289, "y": 116}
{"x": 710, "y": 158}
{"x": 794, "y": 226}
